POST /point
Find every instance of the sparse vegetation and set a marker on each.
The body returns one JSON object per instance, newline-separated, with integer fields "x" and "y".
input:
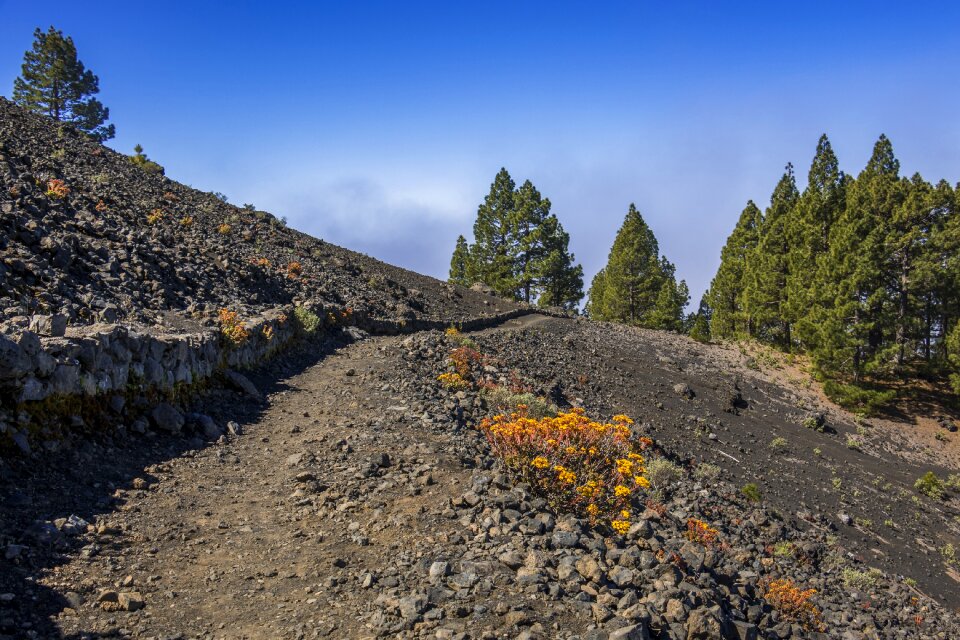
{"x": 232, "y": 328}
{"x": 930, "y": 485}
{"x": 706, "y": 472}
{"x": 863, "y": 580}
{"x": 793, "y": 604}
{"x": 778, "y": 444}
{"x": 751, "y": 492}
{"x": 306, "y": 320}
{"x": 57, "y": 189}
{"x": 140, "y": 159}
{"x": 662, "y": 473}
{"x": 501, "y": 398}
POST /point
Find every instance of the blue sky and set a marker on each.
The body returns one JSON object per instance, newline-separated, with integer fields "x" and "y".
{"x": 380, "y": 125}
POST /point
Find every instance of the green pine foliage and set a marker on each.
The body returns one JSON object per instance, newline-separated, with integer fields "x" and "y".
{"x": 520, "y": 248}
{"x": 460, "y": 263}
{"x": 699, "y": 322}
{"x": 768, "y": 268}
{"x": 730, "y": 318}
{"x": 140, "y": 159}
{"x": 862, "y": 274}
{"x": 55, "y": 83}
{"x": 953, "y": 357}
{"x": 638, "y": 286}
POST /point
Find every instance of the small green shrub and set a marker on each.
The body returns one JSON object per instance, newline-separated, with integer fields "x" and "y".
{"x": 812, "y": 423}
{"x": 863, "y": 580}
{"x": 751, "y": 492}
{"x": 949, "y": 554}
{"x": 930, "y": 485}
{"x": 778, "y": 444}
{"x": 706, "y": 472}
{"x": 502, "y": 399}
{"x": 662, "y": 473}
{"x": 783, "y": 549}
{"x": 307, "y": 320}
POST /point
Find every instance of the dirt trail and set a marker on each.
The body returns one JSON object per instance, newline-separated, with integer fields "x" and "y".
{"x": 332, "y": 506}
{"x": 281, "y": 532}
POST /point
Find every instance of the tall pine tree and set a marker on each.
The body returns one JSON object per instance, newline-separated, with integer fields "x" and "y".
{"x": 808, "y": 234}
{"x": 636, "y": 287}
{"x": 493, "y": 250}
{"x": 520, "y": 248}
{"x": 767, "y": 270}
{"x": 55, "y": 83}
{"x": 852, "y": 326}
{"x": 460, "y": 263}
{"x": 729, "y": 318}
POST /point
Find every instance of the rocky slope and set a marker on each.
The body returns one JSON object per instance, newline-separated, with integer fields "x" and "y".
{"x": 125, "y": 244}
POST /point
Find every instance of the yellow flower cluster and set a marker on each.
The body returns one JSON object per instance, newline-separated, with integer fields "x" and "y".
{"x": 591, "y": 468}
{"x": 453, "y": 381}
{"x": 700, "y": 531}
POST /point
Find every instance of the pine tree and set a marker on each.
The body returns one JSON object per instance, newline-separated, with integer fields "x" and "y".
{"x": 633, "y": 276}
{"x": 852, "y": 327}
{"x": 729, "y": 318}
{"x": 700, "y": 323}
{"x": 808, "y": 234}
{"x": 559, "y": 280}
{"x": 667, "y": 312}
{"x": 953, "y": 357}
{"x": 767, "y": 269}
{"x": 493, "y": 251}
{"x": 521, "y": 249}
{"x": 55, "y": 83}
{"x": 459, "y": 263}
{"x": 595, "y": 295}
{"x": 140, "y": 159}
{"x": 531, "y": 233}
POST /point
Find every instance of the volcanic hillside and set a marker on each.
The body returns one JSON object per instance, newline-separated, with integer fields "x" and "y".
{"x": 324, "y": 460}
{"x": 126, "y": 244}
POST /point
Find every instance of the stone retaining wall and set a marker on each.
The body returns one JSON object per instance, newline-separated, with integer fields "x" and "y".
{"x": 100, "y": 362}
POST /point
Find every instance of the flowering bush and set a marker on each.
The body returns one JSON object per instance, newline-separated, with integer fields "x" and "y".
{"x": 294, "y": 269}
{"x": 224, "y": 229}
{"x": 453, "y": 381}
{"x": 590, "y": 468}
{"x": 262, "y": 262}
{"x": 232, "y": 328}
{"x": 155, "y": 216}
{"x": 267, "y": 332}
{"x": 463, "y": 359}
{"x": 793, "y": 603}
{"x": 186, "y": 221}
{"x": 700, "y": 531}
{"x": 57, "y": 189}
{"x": 452, "y": 332}
{"x": 101, "y": 206}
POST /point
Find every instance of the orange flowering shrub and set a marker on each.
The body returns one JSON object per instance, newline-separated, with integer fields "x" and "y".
{"x": 232, "y": 328}
{"x": 591, "y": 468}
{"x": 155, "y": 216}
{"x": 57, "y": 189}
{"x": 793, "y": 603}
{"x": 453, "y": 381}
{"x": 186, "y": 221}
{"x": 700, "y": 531}
{"x": 294, "y": 269}
{"x": 101, "y": 206}
{"x": 224, "y": 229}
{"x": 262, "y": 262}
{"x": 463, "y": 360}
